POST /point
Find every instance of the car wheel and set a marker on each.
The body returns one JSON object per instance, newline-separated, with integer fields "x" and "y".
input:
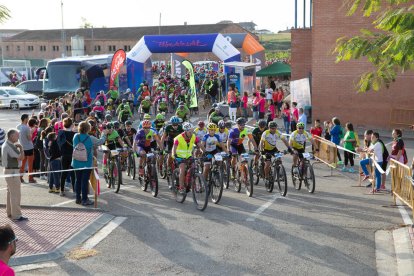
{"x": 14, "y": 105}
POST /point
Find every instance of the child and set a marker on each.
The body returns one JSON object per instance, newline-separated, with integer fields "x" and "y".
{"x": 316, "y": 130}
{"x": 55, "y": 164}
{"x": 349, "y": 144}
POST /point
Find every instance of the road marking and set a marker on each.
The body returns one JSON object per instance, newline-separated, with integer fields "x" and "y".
{"x": 406, "y": 218}
{"x": 27, "y": 267}
{"x": 2, "y": 189}
{"x": 262, "y": 208}
{"x": 71, "y": 200}
{"x": 103, "y": 233}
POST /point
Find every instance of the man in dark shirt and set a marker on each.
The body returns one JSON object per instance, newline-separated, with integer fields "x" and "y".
{"x": 65, "y": 138}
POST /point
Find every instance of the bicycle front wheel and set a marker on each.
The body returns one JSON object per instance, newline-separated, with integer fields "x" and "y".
{"x": 247, "y": 179}
{"x": 297, "y": 182}
{"x": 200, "y": 192}
{"x": 179, "y": 196}
{"x": 280, "y": 174}
{"x": 255, "y": 171}
{"x": 309, "y": 177}
{"x": 117, "y": 175}
{"x": 162, "y": 167}
{"x": 226, "y": 174}
{"x": 131, "y": 171}
{"x": 216, "y": 186}
{"x": 153, "y": 180}
{"x": 237, "y": 180}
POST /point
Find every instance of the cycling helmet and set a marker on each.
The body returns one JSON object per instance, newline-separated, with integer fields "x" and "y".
{"x": 147, "y": 116}
{"x": 128, "y": 123}
{"x": 300, "y": 124}
{"x": 228, "y": 124}
{"x": 160, "y": 117}
{"x": 108, "y": 117}
{"x": 181, "y": 104}
{"x": 142, "y": 84}
{"x": 101, "y": 92}
{"x": 187, "y": 126}
{"x": 217, "y": 108}
{"x": 174, "y": 120}
{"x": 117, "y": 124}
{"x": 211, "y": 126}
{"x": 241, "y": 121}
{"x": 147, "y": 98}
{"x": 146, "y": 124}
{"x": 109, "y": 126}
{"x": 98, "y": 103}
{"x": 221, "y": 124}
{"x": 110, "y": 100}
{"x": 163, "y": 93}
{"x": 163, "y": 100}
{"x": 262, "y": 123}
{"x": 201, "y": 124}
{"x": 214, "y": 105}
{"x": 92, "y": 114}
{"x": 124, "y": 101}
{"x": 92, "y": 123}
{"x": 272, "y": 125}
{"x": 128, "y": 90}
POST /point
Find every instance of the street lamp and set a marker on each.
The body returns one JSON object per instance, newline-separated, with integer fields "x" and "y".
{"x": 63, "y": 31}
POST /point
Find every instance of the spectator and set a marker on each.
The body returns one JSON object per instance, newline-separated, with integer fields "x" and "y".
{"x": 294, "y": 116}
{"x": 59, "y": 124}
{"x": 377, "y": 149}
{"x": 55, "y": 163}
{"x": 38, "y": 144}
{"x": 350, "y": 143}
{"x": 33, "y": 124}
{"x": 275, "y": 96}
{"x": 398, "y": 149}
{"x": 255, "y": 105}
{"x": 83, "y": 168}
{"x": 65, "y": 138}
{"x": 2, "y": 140}
{"x": 262, "y": 106}
{"x": 232, "y": 102}
{"x": 286, "y": 116}
{"x": 280, "y": 98}
{"x": 245, "y": 100}
{"x": 25, "y": 139}
{"x": 268, "y": 93}
{"x": 316, "y": 130}
{"x": 11, "y": 154}
{"x": 302, "y": 117}
{"x": 327, "y": 125}
{"x": 336, "y": 135}
{"x": 7, "y": 249}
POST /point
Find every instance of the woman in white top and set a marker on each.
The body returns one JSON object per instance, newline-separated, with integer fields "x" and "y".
{"x": 376, "y": 148}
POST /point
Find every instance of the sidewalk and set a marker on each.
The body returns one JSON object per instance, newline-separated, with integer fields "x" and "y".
{"x": 51, "y": 231}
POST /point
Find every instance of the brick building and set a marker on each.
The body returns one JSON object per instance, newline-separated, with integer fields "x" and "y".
{"x": 334, "y": 85}
{"x": 47, "y": 44}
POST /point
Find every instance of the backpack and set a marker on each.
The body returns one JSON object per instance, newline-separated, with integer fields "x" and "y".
{"x": 79, "y": 151}
{"x": 385, "y": 153}
{"x": 37, "y": 142}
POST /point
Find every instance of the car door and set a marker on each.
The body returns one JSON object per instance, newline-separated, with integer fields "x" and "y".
{"x": 4, "y": 98}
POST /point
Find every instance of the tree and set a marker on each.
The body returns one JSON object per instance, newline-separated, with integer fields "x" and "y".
{"x": 389, "y": 47}
{"x": 4, "y": 13}
{"x": 85, "y": 23}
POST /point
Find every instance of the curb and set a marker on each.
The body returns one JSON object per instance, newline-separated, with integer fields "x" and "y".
{"x": 384, "y": 253}
{"x": 403, "y": 251}
{"x": 78, "y": 238}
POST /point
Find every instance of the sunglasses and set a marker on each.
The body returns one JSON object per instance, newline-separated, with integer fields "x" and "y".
{"x": 174, "y": 125}
{"x": 300, "y": 128}
{"x": 13, "y": 240}
{"x": 146, "y": 127}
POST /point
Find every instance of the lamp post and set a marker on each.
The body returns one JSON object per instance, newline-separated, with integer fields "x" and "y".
{"x": 63, "y": 31}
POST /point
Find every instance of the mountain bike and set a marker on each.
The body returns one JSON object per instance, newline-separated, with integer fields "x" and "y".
{"x": 243, "y": 175}
{"x": 150, "y": 177}
{"x": 303, "y": 172}
{"x": 113, "y": 176}
{"x": 215, "y": 178}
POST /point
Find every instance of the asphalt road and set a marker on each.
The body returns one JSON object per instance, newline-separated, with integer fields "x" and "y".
{"x": 330, "y": 232}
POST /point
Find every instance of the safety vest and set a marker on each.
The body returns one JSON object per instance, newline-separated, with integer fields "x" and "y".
{"x": 185, "y": 150}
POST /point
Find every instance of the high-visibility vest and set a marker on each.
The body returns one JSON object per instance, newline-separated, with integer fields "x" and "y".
{"x": 185, "y": 150}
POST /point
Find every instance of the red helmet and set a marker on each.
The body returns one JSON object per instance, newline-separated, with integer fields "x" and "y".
{"x": 201, "y": 124}
{"x": 146, "y": 124}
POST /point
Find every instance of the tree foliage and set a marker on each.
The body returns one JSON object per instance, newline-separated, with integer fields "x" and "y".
{"x": 4, "y": 13}
{"x": 389, "y": 46}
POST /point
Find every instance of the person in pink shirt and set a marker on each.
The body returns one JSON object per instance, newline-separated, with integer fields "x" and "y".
{"x": 294, "y": 116}
{"x": 262, "y": 106}
{"x": 7, "y": 249}
{"x": 245, "y": 100}
{"x": 59, "y": 125}
{"x": 99, "y": 110}
{"x": 101, "y": 98}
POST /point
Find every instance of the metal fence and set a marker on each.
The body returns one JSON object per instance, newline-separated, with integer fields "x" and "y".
{"x": 402, "y": 184}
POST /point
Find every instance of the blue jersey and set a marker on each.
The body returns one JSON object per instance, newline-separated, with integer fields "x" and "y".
{"x": 211, "y": 142}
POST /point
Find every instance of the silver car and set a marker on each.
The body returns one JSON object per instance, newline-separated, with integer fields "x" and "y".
{"x": 16, "y": 98}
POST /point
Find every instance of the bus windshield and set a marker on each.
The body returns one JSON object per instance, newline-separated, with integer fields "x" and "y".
{"x": 62, "y": 76}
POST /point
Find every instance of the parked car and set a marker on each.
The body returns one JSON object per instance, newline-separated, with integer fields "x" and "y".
{"x": 16, "y": 98}
{"x": 32, "y": 86}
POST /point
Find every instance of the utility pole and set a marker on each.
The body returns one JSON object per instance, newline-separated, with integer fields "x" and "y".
{"x": 63, "y": 31}
{"x": 159, "y": 26}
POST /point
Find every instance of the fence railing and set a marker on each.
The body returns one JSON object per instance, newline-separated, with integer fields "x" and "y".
{"x": 401, "y": 117}
{"x": 401, "y": 184}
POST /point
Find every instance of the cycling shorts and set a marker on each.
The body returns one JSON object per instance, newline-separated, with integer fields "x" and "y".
{"x": 237, "y": 149}
{"x": 269, "y": 153}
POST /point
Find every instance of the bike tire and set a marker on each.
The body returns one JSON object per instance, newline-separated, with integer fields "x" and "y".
{"x": 179, "y": 197}
{"x": 296, "y": 181}
{"x": 153, "y": 179}
{"x": 255, "y": 172}
{"x": 271, "y": 181}
{"x": 226, "y": 174}
{"x": 200, "y": 192}
{"x": 216, "y": 186}
{"x": 131, "y": 171}
{"x": 143, "y": 183}
{"x": 248, "y": 180}
{"x": 309, "y": 178}
{"x": 118, "y": 176}
{"x": 281, "y": 179}
{"x": 237, "y": 181}
{"x": 162, "y": 168}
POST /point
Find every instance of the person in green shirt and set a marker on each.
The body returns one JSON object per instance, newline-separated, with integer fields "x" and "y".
{"x": 113, "y": 93}
{"x": 146, "y": 105}
{"x": 216, "y": 116}
{"x": 349, "y": 144}
{"x": 182, "y": 112}
{"x": 112, "y": 138}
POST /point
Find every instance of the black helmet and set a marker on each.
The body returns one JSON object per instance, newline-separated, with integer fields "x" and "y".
{"x": 108, "y": 117}
{"x": 272, "y": 124}
{"x": 116, "y": 124}
{"x": 128, "y": 123}
{"x": 262, "y": 123}
{"x": 228, "y": 124}
{"x": 241, "y": 121}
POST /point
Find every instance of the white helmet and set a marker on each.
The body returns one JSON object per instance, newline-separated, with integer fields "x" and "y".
{"x": 98, "y": 103}
{"x": 128, "y": 90}
{"x": 163, "y": 100}
{"x": 147, "y": 98}
{"x": 187, "y": 126}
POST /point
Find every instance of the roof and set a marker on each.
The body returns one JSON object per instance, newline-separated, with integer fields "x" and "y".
{"x": 240, "y": 64}
{"x": 275, "y": 69}
{"x": 120, "y": 33}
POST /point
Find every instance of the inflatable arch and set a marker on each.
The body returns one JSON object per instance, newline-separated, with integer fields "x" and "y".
{"x": 192, "y": 43}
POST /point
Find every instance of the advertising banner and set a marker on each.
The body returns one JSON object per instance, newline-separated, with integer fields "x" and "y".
{"x": 193, "y": 92}
{"x": 233, "y": 78}
{"x": 300, "y": 92}
{"x": 117, "y": 62}
{"x": 180, "y": 43}
{"x": 178, "y": 69}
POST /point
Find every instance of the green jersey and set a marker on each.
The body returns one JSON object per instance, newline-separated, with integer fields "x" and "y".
{"x": 113, "y": 94}
{"x": 172, "y": 133}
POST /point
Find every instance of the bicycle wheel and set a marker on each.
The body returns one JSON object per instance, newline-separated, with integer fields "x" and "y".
{"x": 271, "y": 179}
{"x": 143, "y": 181}
{"x": 248, "y": 179}
{"x": 162, "y": 167}
{"x": 131, "y": 171}
{"x": 200, "y": 192}
{"x": 309, "y": 177}
{"x": 297, "y": 183}
{"x": 255, "y": 171}
{"x": 226, "y": 174}
{"x": 117, "y": 174}
{"x": 237, "y": 181}
{"x": 216, "y": 186}
{"x": 179, "y": 197}
{"x": 280, "y": 174}
{"x": 153, "y": 180}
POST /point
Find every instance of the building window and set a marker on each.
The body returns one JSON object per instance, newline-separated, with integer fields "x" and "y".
{"x": 7, "y": 47}
{"x": 30, "y": 48}
{"x": 111, "y": 48}
{"x": 55, "y": 48}
{"x": 84, "y": 48}
{"x": 127, "y": 47}
{"x": 97, "y": 48}
{"x": 18, "y": 48}
{"x": 68, "y": 48}
{"x": 42, "y": 48}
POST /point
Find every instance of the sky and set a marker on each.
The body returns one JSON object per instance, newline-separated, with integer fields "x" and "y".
{"x": 273, "y": 15}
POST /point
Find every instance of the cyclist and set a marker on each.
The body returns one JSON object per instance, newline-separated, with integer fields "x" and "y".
{"x": 297, "y": 142}
{"x": 159, "y": 122}
{"x": 125, "y": 112}
{"x": 211, "y": 142}
{"x": 99, "y": 110}
{"x": 223, "y": 133}
{"x": 146, "y": 105}
{"x": 146, "y": 117}
{"x": 182, "y": 111}
{"x": 112, "y": 140}
{"x": 183, "y": 149}
{"x": 216, "y": 116}
{"x": 100, "y": 97}
{"x": 142, "y": 143}
{"x": 235, "y": 142}
{"x": 171, "y": 131}
{"x": 257, "y": 135}
{"x": 117, "y": 127}
{"x": 200, "y": 131}
{"x": 113, "y": 94}
{"x": 110, "y": 106}
{"x": 162, "y": 105}
{"x": 267, "y": 145}
{"x": 130, "y": 133}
